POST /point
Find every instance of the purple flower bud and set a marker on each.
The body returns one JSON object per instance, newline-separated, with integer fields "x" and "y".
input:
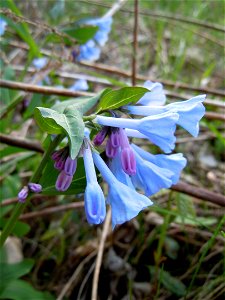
{"x": 70, "y": 166}
{"x": 128, "y": 161}
{"x": 35, "y": 187}
{"x": 115, "y": 137}
{"x": 59, "y": 164}
{"x": 22, "y": 195}
{"x": 127, "y": 154}
{"x": 63, "y": 181}
{"x": 99, "y": 138}
{"x": 57, "y": 154}
{"x": 110, "y": 150}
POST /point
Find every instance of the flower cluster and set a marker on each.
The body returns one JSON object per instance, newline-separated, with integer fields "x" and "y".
{"x": 91, "y": 49}
{"x": 131, "y": 173}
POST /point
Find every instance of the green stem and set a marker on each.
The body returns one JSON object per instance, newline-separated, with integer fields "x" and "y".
{"x": 4, "y": 111}
{"x": 21, "y": 206}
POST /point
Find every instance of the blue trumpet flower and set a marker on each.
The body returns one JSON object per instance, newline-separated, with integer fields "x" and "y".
{"x": 173, "y": 162}
{"x": 126, "y": 203}
{"x": 150, "y": 177}
{"x": 159, "y": 129}
{"x": 94, "y": 200}
{"x": 156, "y": 96}
{"x": 190, "y": 112}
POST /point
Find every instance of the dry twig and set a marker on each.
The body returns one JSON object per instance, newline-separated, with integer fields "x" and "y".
{"x": 105, "y": 230}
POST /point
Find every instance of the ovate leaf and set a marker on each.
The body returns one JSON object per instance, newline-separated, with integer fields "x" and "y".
{"x": 81, "y": 34}
{"x": 69, "y": 122}
{"x": 115, "y": 99}
{"x": 14, "y": 271}
{"x": 21, "y": 290}
{"x": 83, "y": 104}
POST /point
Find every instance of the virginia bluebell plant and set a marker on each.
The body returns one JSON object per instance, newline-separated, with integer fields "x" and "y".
{"x": 131, "y": 173}
{"x": 91, "y": 50}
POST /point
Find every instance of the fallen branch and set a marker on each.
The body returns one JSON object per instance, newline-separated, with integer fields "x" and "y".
{"x": 94, "y": 294}
{"x": 76, "y": 76}
{"x": 51, "y": 210}
{"x": 15, "y": 199}
{"x": 64, "y": 92}
{"x": 14, "y": 85}
{"x": 122, "y": 73}
{"x": 21, "y": 143}
{"x": 126, "y": 74}
{"x": 199, "y": 193}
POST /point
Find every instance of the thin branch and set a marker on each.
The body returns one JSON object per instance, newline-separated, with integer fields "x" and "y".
{"x": 214, "y": 116}
{"x": 64, "y": 92}
{"x": 125, "y": 74}
{"x": 200, "y": 193}
{"x": 15, "y": 199}
{"x": 42, "y": 89}
{"x": 135, "y": 43}
{"x": 21, "y": 143}
{"x": 68, "y": 75}
{"x": 52, "y": 210}
{"x": 94, "y": 294}
{"x": 159, "y": 15}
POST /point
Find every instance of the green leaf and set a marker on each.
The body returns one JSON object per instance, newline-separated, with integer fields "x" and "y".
{"x": 50, "y": 175}
{"x": 84, "y": 104}
{"x": 171, "y": 283}
{"x": 118, "y": 98}
{"x": 21, "y": 290}
{"x": 20, "y": 229}
{"x": 70, "y": 122}
{"x": 14, "y": 271}
{"x": 81, "y": 34}
{"x": 197, "y": 221}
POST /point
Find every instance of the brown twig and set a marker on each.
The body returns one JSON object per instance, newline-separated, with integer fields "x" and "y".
{"x": 94, "y": 294}
{"x": 122, "y": 73}
{"x": 68, "y": 75}
{"x": 126, "y": 74}
{"x": 200, "y": 193}
{"x": 64, "y": 92}
{"x": 135, "y": 43}
{"x": 15, "y": 199}
{"x": 41, "y": 89}
{"x": 21, "y": 143}
{"x": 51, "y": 210}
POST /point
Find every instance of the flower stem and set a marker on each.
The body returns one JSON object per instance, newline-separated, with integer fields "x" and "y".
{"x": 21, "y": 206}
